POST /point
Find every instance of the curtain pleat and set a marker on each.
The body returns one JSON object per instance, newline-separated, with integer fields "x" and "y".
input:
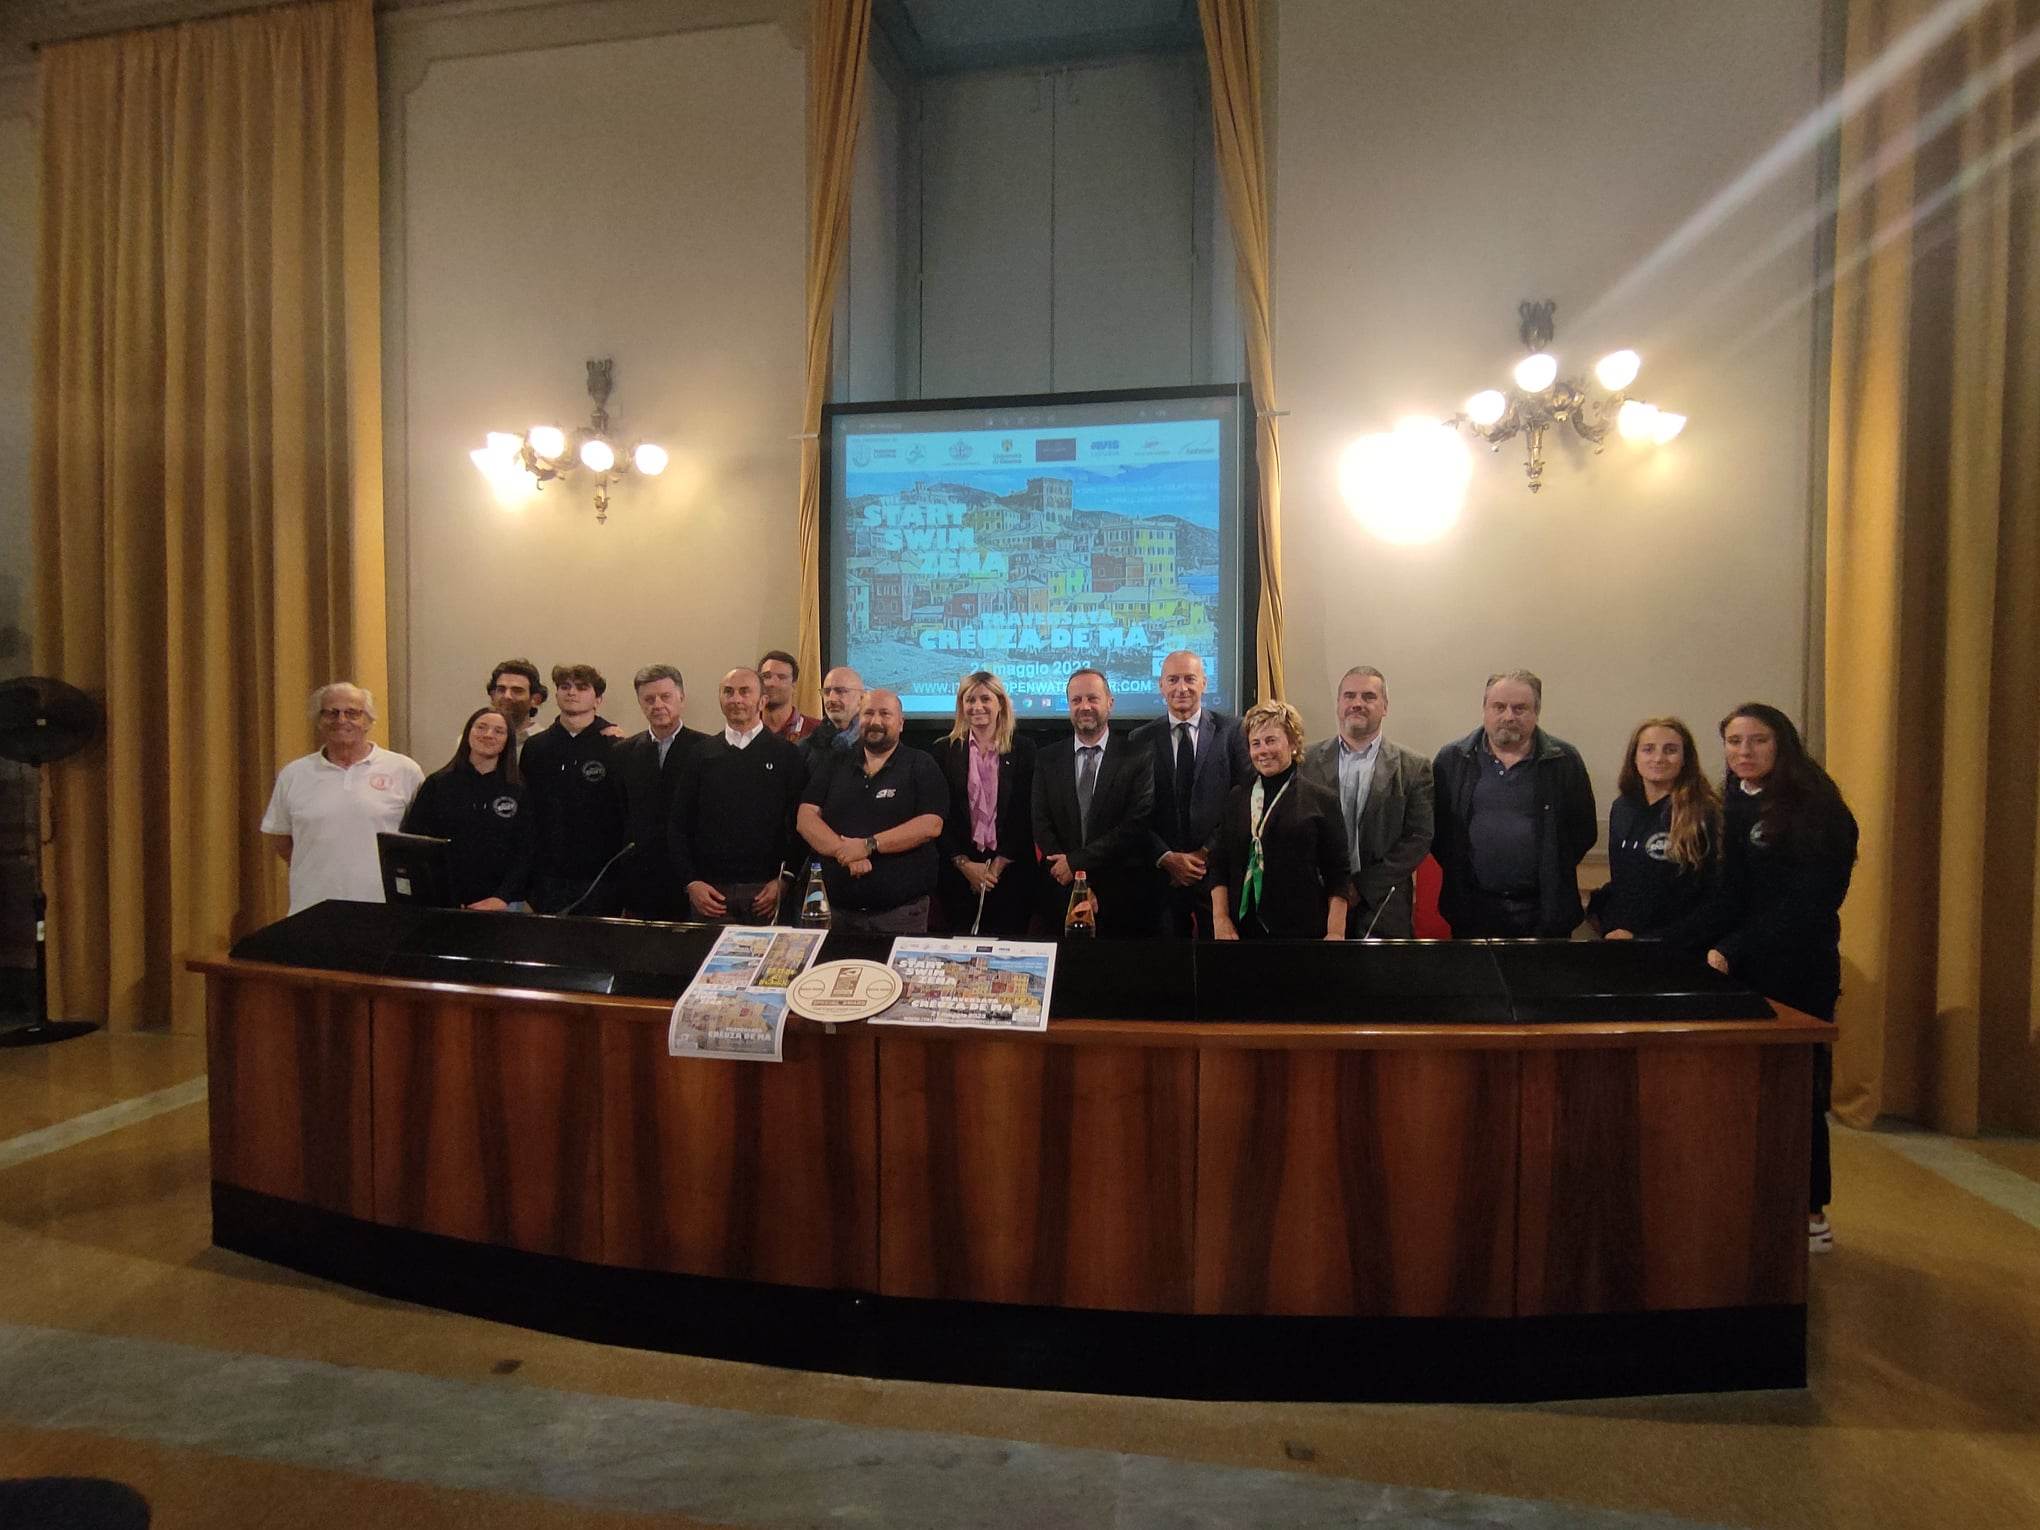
{"x": 1232, "y": 49}
{"x": 207, "y": 466}
{"x": 1933, "y": 567}
{"x": 839, "y": 34}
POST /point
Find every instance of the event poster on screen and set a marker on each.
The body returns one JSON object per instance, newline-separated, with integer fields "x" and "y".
{"x": 1034, "y": 543}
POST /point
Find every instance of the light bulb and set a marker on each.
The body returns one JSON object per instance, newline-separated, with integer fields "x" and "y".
{"x": 1407, "y": 485}
{"x": 598, "y": 455}
{"x": 649, "y": 459}
{"x": 1666, "y": 426}
{"x": 1617, "y": 370}
{"x": 1535, "y": 373}
{"x": 1486, "y": 407}
{"x": 1636, "y": 420}
{"x": 508, "y": 481}
{"x": 547, "y": 440}
{"x": 503, "y": 444}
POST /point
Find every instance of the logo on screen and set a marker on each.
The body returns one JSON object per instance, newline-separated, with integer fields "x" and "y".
{"x": 960, "y": 450}
{"x": 860, "y": 455}
{"x": 1104, "y": 446}
{"x": 1056, "y": 449}
{"x": 914, "y": 452}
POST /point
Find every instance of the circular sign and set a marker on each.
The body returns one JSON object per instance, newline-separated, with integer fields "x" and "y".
{"x": 849, "y": 990}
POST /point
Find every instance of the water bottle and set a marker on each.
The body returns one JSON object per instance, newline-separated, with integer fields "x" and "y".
{"x": 1080, "y": 920}
{"x": 814, "y": 899}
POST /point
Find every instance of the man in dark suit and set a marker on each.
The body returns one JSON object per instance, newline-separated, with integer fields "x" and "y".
{"x": 1199, "y": 756}
{"x": 1386, "y": 797}
{"x": 648, "y": 765}
{"x": 1093, "y": 800}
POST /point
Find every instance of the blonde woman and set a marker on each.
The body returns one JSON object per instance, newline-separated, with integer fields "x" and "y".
{"x": 988, "y": 876}
{"x": 1664, "y": 836}
{"x": 1279, "y": 865}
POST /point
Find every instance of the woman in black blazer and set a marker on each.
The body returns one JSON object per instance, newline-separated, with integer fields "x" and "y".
{"x": 988, "y": 871}
{"x": 1279, "y": 865}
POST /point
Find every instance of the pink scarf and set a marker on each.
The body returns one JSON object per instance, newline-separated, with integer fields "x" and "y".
{"x": 984, "y": 798}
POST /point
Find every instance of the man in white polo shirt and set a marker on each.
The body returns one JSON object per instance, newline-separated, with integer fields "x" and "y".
{"x": 329, "y": 806}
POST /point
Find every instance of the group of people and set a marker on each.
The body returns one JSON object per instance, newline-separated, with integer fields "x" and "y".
{"x": 1192, "y": 824}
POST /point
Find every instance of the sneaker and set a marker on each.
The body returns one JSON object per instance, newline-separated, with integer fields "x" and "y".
{"x": 1820, "y": 1235}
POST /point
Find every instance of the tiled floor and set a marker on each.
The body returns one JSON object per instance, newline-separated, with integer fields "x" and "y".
{"x": 233, "y": 1393}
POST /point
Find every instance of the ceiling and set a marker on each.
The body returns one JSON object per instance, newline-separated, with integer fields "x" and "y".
{"x": 927, "y": 36}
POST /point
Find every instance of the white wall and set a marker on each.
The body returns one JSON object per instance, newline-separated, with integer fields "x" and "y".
{"x": 1436, "y": 163}
{"x": 641, "y": 198}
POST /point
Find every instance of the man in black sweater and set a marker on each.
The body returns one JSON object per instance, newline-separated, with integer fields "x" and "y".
{"x": 874, "y": 816}
{"x": 1515, "y": 815}
{"x": 730, "y": 833}
{"x": 577, "y": 807}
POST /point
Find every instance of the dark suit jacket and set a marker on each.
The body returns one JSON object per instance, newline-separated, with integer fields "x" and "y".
{"x": 1222, "y": 764}
{"x": 1303, "y": 846}
{"x": 1395, "y": 834}
{"x": 649, "y": 889}
{"x": 1114, "y": 853}
{"x": 1016, "y": 801}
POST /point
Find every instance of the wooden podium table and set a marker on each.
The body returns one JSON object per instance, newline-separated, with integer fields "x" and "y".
{"x": 1198, "y": 1209}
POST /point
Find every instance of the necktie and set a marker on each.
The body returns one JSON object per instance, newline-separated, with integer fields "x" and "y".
{"x": 1087, "y": 782}
{"x": 1353, "y": 804}
{"x": 1186, "y": 781}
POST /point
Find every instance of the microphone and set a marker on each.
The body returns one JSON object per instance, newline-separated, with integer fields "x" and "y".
{"x": 589, "y": 891}
{"x": 1368, "y": 933}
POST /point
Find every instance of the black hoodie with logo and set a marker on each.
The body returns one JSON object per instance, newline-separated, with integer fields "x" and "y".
{"x": 490, "y": 825}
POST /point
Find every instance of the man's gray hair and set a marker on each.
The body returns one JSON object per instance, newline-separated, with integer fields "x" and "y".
{"x": 319, "y": 697}
{"x": 1369, "y": 669}
{"x": 651, "y": 672}
{"x": 1521, "y": 677}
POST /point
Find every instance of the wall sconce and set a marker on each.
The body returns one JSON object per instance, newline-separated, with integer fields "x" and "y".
{"x": 546, "y": 452}
{"x": 1541, "y": 399}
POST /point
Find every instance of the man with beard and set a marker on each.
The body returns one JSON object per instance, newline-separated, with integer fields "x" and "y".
{"x": 1515, "y": 815}
{"x": 731, "y": 831}
{"x": 1385, "y": 797}
{"x": 842, "y": 701}
{"x": 778, "y": 674}
{"x": 514, "y": 690}
{"x": 650, "y": 765}
{"x": 873, "y": 818}
{"x": 1094, "y": 797}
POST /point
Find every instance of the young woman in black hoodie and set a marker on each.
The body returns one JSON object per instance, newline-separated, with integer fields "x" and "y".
{"x": 1789, "y": 846}
{"x": 1664, "y": 838}
{"x": 476, "y": 800}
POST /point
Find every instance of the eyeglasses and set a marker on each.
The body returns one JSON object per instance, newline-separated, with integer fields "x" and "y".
{"x": 339, "y": 714}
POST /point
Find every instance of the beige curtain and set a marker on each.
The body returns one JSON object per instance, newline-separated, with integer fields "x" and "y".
{"x": 1232, "y": 47}
{"x": 1933, "y": 566}
{"x": 207, "y": 466}
{"x": 839, "y": 32}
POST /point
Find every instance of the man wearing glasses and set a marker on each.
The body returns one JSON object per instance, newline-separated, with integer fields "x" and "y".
{"x": 329, "y": 806}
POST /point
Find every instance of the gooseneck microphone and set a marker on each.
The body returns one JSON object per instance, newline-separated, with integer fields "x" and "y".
{"x": 1368, "y": 933}
{"x": 589, "y": 891}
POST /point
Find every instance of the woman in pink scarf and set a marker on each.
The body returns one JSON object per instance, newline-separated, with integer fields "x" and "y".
{"x": 988, "y": 869}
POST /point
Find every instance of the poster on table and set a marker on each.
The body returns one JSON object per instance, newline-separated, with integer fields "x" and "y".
{"x": 736, "y": 1006}
{"x": 991, "y": 985}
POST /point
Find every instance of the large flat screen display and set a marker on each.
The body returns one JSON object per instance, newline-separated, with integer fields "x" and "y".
{"x": 1035, "y": 536}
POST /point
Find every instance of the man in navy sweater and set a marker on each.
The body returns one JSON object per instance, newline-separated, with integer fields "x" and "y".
{"x": 576, "y": 804}
{"x": 731, "y": 833}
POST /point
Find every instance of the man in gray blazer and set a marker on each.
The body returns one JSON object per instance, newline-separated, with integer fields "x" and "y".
{"x": 1190, "y": 789}
{"x": 1386, "y": 795}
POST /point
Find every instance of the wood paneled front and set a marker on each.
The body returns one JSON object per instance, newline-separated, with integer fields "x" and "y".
{"x": 1015, "y": 1170}
{"x": 288, "y": 1094}
{"x": 1663, "y": 1178}
{"x": 1356, "y": 1183}
{"x": 748, "y": 1170}
{"x": 488, "y": 1119}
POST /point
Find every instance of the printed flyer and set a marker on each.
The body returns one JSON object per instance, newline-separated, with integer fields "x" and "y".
{"x": 993, "y": 985}
{"x": 736, "y": 1006}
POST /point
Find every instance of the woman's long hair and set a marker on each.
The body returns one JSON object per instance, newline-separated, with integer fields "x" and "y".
{"x": 1002, "y": 734}
{"x": 506, "y": 766}
{"x": 1696, "y": 805}
{"x": 1799, "y": 797}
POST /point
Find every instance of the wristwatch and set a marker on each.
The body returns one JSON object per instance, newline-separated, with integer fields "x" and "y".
{"x": 870, "y": 846}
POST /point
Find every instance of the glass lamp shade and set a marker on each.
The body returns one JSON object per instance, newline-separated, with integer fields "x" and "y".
{"x": 649, "y": 459}
{"x": 547, "y": 440}
{"x": 1486, "y": 407}
{"x": 1536, "y": 373}
{"x": 1617, "y": 370}
{"x": 598, "y": 455}
{"x": 1637, "y": 421}
{"x": 1666, "y": 426}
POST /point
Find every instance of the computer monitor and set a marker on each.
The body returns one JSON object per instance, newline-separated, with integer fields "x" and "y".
{"x": 414, "y": 869}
